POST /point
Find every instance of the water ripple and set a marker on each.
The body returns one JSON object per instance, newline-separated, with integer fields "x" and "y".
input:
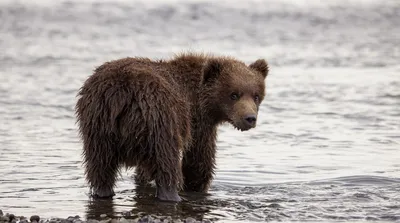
{"x": 326, "y": 146}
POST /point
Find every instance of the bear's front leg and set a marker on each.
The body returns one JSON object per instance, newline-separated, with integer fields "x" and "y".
{"x": 199, "y": 162}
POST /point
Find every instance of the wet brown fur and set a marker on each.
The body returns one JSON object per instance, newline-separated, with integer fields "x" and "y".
{"x": 147, "y": 114}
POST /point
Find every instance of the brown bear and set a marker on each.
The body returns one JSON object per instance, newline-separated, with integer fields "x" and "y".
{"x": 162, "y": 117}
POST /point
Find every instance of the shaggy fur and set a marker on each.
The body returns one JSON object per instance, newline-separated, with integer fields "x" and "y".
{"x": 147, "y": 114}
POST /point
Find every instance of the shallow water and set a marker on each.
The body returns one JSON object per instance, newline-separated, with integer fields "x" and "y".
{"x": 327, "y": 144}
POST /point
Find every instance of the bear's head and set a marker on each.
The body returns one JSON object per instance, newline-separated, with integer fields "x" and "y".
{"x": 234, "y": 91}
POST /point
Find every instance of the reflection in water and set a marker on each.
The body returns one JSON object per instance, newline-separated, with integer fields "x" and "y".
{"x": 96, "y": 207}
{"x": 144, "y": 203}
{"x": 345, "y": 198}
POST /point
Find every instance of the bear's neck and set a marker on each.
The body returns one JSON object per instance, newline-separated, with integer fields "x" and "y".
{"x": 204, "y": 125}
{"x": 209, "y": 117}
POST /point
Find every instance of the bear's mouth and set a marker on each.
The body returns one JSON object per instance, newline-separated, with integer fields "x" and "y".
{"x": 239, "y": 127}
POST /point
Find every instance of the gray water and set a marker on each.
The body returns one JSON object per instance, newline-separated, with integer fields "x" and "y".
{"x": 327, "y": 144}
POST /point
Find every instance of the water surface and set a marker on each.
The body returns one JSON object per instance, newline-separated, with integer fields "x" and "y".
{"x": 327, "y": 143}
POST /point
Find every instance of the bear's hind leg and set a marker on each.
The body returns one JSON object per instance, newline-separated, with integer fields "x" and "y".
{"x": 168, "y": 170}
{"x": 166, "y": 145}
{"x": 167, "y": 181}
{"x": 163, "y": 115}
{"x": 101, "y": 172}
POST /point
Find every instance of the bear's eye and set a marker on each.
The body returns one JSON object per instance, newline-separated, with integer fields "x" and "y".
{"x": 256, "y": 98}
{"x": 234, "y": 96}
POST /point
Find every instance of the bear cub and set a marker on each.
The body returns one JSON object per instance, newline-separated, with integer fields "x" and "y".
{"x": 161, "y": 117}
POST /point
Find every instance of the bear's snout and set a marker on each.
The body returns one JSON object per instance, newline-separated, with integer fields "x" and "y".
{"x": 250, "y": 120}
{"x": 244, "y": 116}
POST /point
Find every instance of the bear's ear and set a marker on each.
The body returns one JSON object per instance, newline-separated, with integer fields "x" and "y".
{"x": 211, "y": 70}
{"x": 261, "y": 66}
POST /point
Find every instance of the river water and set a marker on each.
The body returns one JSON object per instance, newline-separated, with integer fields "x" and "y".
{"x": 327, "y": 144}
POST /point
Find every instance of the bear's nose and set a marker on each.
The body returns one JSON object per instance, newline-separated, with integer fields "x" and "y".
{"x": 251, "y": 119}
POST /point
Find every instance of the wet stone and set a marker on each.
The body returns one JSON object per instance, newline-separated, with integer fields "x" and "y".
{"x": 65, "y": 221}
{"x": 146, "y": 219}
{"x": 106, "y": 221}
{"x": 23, "y": 221}
{"x": 70, "y": 218}
{"x": 35, "y": 218}
{"x": 1, "y": 213}
{"x": 123, "y": 220}
{"x": 92, "y": 221}
{"x": 11, "y": 217}
{"x": 190, "y": 220}
{"x": 168, "y": 219}
{"x": 103, "y": 215}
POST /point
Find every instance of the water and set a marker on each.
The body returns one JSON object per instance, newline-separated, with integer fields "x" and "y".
{"x": 327, "y": 144}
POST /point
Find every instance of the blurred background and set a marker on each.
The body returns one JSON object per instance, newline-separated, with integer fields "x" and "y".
{"x": 327, "y": 143}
